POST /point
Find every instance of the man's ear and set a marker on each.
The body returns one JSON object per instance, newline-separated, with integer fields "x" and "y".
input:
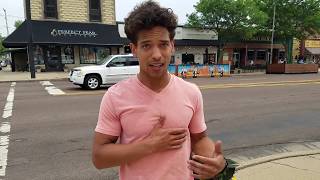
{"x": 133, "y": 48}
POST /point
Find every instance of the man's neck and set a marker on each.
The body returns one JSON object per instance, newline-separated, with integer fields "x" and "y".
{"x": 155, "y": 84}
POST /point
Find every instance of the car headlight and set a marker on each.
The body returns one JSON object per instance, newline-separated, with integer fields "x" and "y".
{"x": 77, "y": 72}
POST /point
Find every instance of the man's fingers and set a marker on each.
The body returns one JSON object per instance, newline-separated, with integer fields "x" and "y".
{"x": 177, "y": 142}
{"x": 176, "y": 131}
{"x": 176, "y": 146}
{"x": 179, "y": 136}
{"x": 218, "y": 148}
{"x": 200, "y": 168}
{"x": 205, "y": 160}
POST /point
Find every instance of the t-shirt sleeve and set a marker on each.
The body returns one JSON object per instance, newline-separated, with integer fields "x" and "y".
{"x": 108, "y": 121}
{"x": 197, "y": 124}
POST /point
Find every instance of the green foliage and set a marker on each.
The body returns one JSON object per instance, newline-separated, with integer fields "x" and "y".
{"x": 246, "y": 18}
{"x": 229, "y": 18}
{"x": 294, "y": 18}
{"x": 2, "y": 49}
{"x": 17, "y": 23}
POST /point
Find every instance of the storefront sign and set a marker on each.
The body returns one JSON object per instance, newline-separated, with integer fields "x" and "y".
{"x": 312, "y": 43}
{"x": 64, "y": 32}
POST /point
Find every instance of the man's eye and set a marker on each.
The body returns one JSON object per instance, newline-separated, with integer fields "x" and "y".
{"x": 164, "y": 44}
{"x": 145, "y": 46}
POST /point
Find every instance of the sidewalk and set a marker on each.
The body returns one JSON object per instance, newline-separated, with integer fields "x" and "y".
{"x": 7, "y": 76}
{"x": 301, "y": 161}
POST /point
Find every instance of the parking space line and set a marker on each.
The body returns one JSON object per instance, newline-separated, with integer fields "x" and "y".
{"x": 5, "y": 130}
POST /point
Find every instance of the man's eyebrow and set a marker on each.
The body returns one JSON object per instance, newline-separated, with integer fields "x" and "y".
{"x": 146, "y": 41}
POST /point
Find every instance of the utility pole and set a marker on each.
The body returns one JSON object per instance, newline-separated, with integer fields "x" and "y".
{"x": 5, "y": 16}
{"x": 29, "y": 44}
{"x": 272, "y": 36}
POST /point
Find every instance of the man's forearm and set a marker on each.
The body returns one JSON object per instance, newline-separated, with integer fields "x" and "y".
{"x": 110, "y": 155}
{"x": 203, "y": 146}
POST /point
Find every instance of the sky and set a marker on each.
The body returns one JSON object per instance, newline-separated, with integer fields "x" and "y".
{"x": 15, "y": 11}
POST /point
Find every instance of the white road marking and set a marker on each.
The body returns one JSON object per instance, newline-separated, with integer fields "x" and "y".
{"x": 54, "y": 91}
{"x": 7, "y": 111}
{"x": 51, "y": 89}
{"x": 46, "y": 83}
{"x": 5, "y": 130}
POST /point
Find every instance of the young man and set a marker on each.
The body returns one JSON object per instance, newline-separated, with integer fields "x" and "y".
{"x": 158, "y": 117}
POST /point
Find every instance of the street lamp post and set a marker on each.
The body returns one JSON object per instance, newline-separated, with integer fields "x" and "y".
{"x": 272, "y": 36}
{"x": 29, "y": 44}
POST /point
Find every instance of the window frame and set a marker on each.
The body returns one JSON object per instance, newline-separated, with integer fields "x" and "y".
{"x": 95, "y": 12}
{"x": 45, "y": 9}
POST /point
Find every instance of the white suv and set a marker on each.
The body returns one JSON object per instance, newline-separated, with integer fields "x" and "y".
{"x": 109, "y": 71}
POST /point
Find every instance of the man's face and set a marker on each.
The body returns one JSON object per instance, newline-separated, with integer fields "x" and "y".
{"x": 154, "y": 49}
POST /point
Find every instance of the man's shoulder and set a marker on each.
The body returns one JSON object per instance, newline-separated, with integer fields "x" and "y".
{"x": 187, "y": 86}
{"x": 123, "y": 87}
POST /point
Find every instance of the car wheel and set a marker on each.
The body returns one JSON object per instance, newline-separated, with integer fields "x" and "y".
{"x": 92, "y": 82}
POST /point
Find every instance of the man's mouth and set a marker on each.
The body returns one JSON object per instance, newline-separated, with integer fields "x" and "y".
{"x": 156, "y": 65}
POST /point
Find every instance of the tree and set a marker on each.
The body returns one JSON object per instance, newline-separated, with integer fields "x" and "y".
{"x": 294, "y": 18}
{"x": 2, "y": 49}
{"x": 17, "y": 23}
{"x": 231, "y": 19}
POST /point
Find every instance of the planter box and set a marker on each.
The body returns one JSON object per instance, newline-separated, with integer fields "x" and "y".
{"x": 291, "y": 68}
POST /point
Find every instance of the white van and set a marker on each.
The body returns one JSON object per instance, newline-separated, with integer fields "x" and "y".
{"x": 109, "y": 71}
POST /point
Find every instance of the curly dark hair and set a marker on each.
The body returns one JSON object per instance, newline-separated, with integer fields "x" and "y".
{"x": 148, "y": 15}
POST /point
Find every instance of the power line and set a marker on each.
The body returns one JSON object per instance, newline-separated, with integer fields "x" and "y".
{"x": 12, "y": 16}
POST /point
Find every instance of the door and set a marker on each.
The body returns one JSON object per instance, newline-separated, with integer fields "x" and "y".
{"x": 236, "y": 60}
{"x": 53, "y": 58}
{"x": 116, "y": 70}
{"x": 187, "y": 58}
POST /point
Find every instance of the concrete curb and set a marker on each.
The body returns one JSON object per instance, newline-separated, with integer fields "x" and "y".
{"x": 31, "y": 80}
{"x": 266, "y": 159}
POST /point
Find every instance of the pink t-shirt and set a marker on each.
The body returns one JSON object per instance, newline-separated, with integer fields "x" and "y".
{"x": 130, "y": 110}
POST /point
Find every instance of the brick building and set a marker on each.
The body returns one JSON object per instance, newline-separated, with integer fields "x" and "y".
{"x": 66, "y": 33}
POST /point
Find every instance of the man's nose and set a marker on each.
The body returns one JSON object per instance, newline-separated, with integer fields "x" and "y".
{"x": 156, "y": 53}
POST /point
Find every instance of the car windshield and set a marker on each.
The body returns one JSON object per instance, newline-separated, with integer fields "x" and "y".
{"x": 104, "y": 60}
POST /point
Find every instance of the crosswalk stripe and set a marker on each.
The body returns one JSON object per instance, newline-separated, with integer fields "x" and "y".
{"x": 51, "y": 89}
{"x": 5, "y": 130}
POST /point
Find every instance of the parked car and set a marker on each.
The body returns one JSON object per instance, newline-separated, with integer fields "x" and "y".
{"x": 109, "y": 71}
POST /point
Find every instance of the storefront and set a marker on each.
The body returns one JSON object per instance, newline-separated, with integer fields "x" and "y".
{"x": 59, "y": 46}
{"x": 252, "y": 54}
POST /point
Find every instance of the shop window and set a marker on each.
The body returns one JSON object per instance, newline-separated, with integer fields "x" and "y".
{"x": 93, "y": 55}
{"x": 67, "y": 55}
{"x": 250, "y": 55}
{"x": 38, "y": 55}
{"x": 187, "y": 58}
{"x": 281, "y": 55}
{"x": 210, "y": 59}
{"x": 261, "y": 55}
{"x": 102, "y": 53}
{"x": 95, "y": 10}
{"x": 50, "y": 9}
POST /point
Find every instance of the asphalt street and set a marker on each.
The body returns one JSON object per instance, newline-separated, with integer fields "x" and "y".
{"x": 50, "y": 134}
